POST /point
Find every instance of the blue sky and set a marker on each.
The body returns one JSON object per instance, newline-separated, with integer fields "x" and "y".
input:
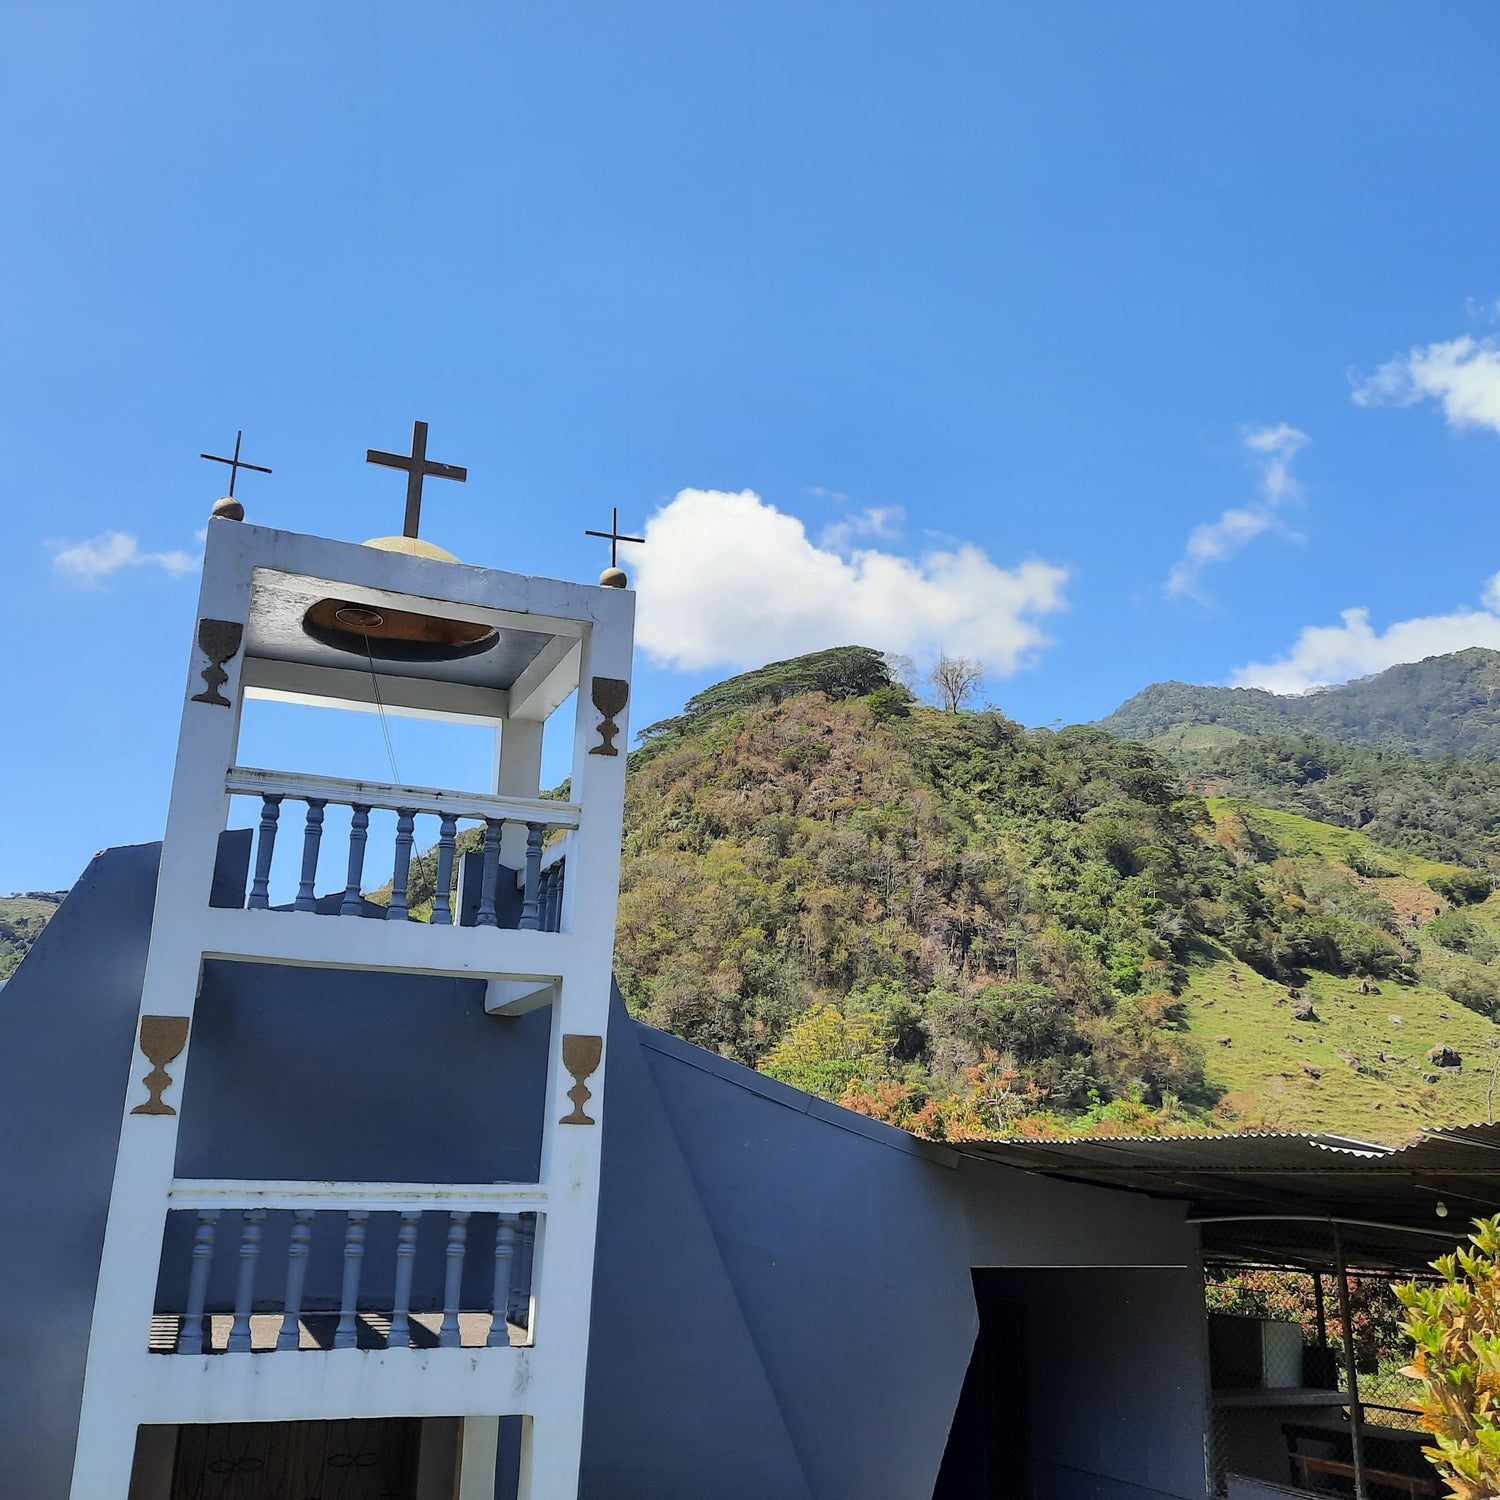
{"x": 990, "y": 308}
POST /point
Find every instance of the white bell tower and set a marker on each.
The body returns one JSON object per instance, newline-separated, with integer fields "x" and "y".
{"x": 400, "y": 626}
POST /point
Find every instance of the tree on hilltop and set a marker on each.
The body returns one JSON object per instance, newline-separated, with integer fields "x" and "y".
{"x": 956, "y": 679}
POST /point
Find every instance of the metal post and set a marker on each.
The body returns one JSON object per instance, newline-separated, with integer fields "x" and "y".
{"x": 1351, "y": 1374}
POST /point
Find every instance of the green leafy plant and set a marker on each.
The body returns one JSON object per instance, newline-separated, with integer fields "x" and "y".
{"x": 1463, "y": 887}
{"x": 827, "y": 1051}
{"x": 1455, "y": 1324}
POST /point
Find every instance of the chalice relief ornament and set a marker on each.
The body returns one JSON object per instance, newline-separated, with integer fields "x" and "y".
{"x": 581, "y": 1055}
{"x": 219, "y": 640}
{"x": 162, "y": 1039}
{"x": 610, "y": 695}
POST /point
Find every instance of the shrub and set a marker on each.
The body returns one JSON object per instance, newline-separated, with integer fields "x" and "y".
{"x": 827, "y": 1052}
{"x": 1455, "y": 1325}
{"x": 893, "y": 702}
{"x": 1460, "y": 933}
{"x": 1363, "y": 863}
{"x": 1463, "y": 887}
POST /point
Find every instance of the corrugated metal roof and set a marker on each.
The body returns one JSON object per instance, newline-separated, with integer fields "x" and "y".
{"x": 1267, "y": 1192}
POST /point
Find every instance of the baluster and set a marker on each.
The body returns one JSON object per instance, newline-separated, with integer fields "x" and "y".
{"x": 505, "y": 1258}
{"x": 346, "y": 1335}
{"x": 442, "y": 908}
{"x": 492, "y": 831}
{"x": 545, "y": 904}
{"x": 290, "y": 1336}
{"x": 312, "y": 837}
{"x": 534, "y": 833}
{"x": 406, "y": 1259}
{"x": 405, "y": 821}
{"x": 520, "y": 1297}
{"x": 562, "y": 884}
{"x": 251, "y": 1220}
{"x": 190, "y": 1341}
{"x": 265, "y": 847}
{"x": 458, "y": 1235}
{"x": 353, "y": 904}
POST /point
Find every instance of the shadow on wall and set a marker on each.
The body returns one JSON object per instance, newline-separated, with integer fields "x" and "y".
{"x": 1074, "y": 1391}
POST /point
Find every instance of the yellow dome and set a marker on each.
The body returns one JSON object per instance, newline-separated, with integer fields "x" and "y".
{"x": 412, "y": 546}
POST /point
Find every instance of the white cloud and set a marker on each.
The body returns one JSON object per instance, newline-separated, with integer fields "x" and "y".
{"x": 1325, "y": 654}
{"x": 884, "y": 521}
{"x": 727, "y": 580}
{"x": 91, "y": 562}
{"x": 1462, "y": 376}
{"x": 1215, "y": 541}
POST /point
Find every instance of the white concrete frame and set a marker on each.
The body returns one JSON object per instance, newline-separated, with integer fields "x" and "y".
{"x": 125, "y": 1386}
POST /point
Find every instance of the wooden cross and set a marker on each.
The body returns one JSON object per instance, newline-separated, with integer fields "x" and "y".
{"x": 614, "y": 536}
{"x": 418, "y": 467}
{"x": 236, "y": 463}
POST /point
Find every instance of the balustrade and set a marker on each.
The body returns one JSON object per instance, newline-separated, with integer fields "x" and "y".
{"x": 538, "y": 884}
{"x": 275, "y": 1277}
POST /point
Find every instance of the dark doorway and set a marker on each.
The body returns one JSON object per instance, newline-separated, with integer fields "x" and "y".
{"x": 988, "y": 1456}
{"x": 358, "y": 1459}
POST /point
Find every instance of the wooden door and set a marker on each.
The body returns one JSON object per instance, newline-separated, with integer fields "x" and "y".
{"x": 363, "y": 1459}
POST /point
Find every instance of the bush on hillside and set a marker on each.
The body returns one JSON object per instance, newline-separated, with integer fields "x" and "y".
{"x": 891, "y": 702}
{"x": 1474, "y": 988}
{"x": 1460, "y": 933}
{"x": 1463, "y": 887}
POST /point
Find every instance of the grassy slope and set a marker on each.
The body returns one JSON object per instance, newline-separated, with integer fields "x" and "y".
{"x": 1187, "y": 738}
{"x": 21, "y": 921}
{"x": 1390, "y": 1089}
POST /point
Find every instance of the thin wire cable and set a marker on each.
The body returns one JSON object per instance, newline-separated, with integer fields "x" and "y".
{"x": 390, "y": 750}
{"x": 385, "y": 728}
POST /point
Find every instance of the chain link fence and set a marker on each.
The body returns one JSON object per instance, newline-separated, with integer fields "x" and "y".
{"x": 1306, "y": 1360}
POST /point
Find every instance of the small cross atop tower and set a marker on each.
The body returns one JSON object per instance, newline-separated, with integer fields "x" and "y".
{"x": 418, "y": 467}
{"x": 235, "y": 465}
{"x": 613, "y": 577}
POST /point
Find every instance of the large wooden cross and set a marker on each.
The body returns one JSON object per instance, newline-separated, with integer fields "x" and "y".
{"x": 418, "y": 467}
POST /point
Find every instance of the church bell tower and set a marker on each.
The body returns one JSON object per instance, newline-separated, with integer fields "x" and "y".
{"x": 258, "y": 1303}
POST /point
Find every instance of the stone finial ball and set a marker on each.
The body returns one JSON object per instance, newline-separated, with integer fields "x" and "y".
{"x": 613, "y": 578}
{"x": 229, "y": 509}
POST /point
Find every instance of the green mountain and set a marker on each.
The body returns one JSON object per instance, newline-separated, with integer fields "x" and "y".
{"x": 968, "y": 927}
{"x": 1445, "y": 705}
{"x": 1409, "y": 756}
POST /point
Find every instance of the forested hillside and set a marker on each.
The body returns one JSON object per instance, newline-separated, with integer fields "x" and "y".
{"x": 1445, "y": 705}
{"x": 1447, "y": 809}
{"x": 969, "y": 927}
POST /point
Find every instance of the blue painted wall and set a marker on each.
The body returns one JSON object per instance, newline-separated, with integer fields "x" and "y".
{"x": 310, "y": 1076}
{"x": 67, "y": 1027}
{"x": 1116, "y": 1382}
{"x": 783, "y": 1304}
{"x": 847, "y": 1247}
